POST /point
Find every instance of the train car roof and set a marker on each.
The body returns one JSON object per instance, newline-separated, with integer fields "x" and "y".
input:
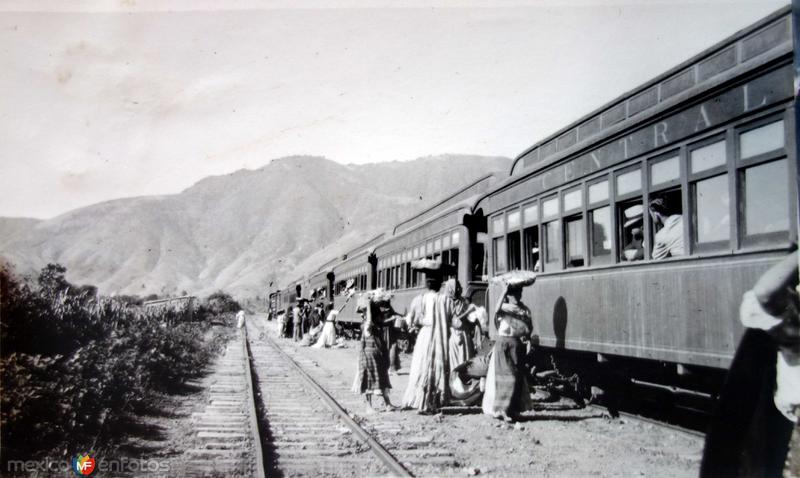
{"x": 467, "y": 193}
{"x": 774, "y": 28}
{"x": 588, "y": 128}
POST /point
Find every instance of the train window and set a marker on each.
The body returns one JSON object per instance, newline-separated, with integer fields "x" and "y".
{"x": 499, "y": 251}
{"x": 437, "y": 244}
{"x": 531, "y": 248}
{"x": 456, "y": 239}
{"x": 454, "y": 262}
{"x": 428, "y": 247}
{"x": 601, "y": 234}
{"x": 552, "y": 246}
{"x": 446, "y": 241}
{"x": 573, "y": 199}
{"x": 479, "y": 260}
{"x": 664, "y": 171}
{"x": 530, "y": 213}
{"x": 445, "y": 258}
{"x": 513, "y": 220}
{"x": 513, "y": 242}
{"x": 763, "y": 139}
{"x": 598, "y": 192}
{"x": 666, "y": 224}
{"x": 711, "y": 213}
{"x": 707, "y": 157}
{"x": 766, "y": 202}
{"x": 631, "y": 221}
{"x": 498, "y": 227}
{"x": 409, "y": 276}
{"x": 550, "y": 207}
{"x": 574, "y": 236}
{"x": 629, "y": 182}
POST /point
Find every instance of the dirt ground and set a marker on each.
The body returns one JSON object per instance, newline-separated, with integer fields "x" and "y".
{"x": 553, "y": 440}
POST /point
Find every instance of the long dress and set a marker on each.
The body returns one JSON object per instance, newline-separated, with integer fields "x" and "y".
{"x": 372, "y": 375}
{"x": 460, "y": 348}
{"x": 428, "y": 388}
{"x": 328, "y": 336}
{"x": 506, "y": 382}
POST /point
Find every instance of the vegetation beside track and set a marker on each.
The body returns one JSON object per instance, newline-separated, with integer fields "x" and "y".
{"x": 79, "y": 370}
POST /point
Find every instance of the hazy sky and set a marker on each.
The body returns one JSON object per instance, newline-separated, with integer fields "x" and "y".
{"x": 106, "y": 100}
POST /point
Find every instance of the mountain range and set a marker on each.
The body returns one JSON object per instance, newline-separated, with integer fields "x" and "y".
{"x": 237, "y": 232}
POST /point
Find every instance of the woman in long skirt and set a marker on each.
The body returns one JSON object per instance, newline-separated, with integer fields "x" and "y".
{"x": 372, "y": 376}
{"x": 428, "y": 377}
{"x": 507, "y": 394}
{"x": 328, "y": 336}
{"x": 460, "y": 347}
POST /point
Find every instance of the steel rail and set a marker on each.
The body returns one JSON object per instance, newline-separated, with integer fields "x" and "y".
{"x": 633, "y": 416}
{"x": 260, "y": 471}
{"x": 394, "y": 466}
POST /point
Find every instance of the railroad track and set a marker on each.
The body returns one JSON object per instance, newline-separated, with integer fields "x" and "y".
{"x": 652, "y": 421}
{"x": 227, "y": 431}
{"x": 308, "y": 432}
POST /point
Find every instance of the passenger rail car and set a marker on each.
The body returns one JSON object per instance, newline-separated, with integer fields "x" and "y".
{"x": 713, "y": 142}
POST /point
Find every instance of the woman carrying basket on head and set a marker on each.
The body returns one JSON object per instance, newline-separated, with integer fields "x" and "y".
{"x": 507, "y": 395}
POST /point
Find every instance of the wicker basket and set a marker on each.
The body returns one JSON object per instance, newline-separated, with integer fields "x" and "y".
{"x": 516, "y": 278}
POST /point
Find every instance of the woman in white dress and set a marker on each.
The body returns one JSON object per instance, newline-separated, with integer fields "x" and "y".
{"x": 328, "y": 336}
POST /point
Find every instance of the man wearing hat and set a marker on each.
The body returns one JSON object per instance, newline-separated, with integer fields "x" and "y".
{"x": 669, "y": 239}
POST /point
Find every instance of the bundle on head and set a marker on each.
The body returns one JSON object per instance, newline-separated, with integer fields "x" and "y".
{"x": 516, "y": 278}
{"x": 377, "y": 296}
{"x": 427, "y": 265}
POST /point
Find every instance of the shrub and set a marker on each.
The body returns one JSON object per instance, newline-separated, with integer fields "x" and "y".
{"x": 74, "y": 366}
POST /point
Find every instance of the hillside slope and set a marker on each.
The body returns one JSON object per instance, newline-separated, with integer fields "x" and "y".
{"x": 236, "y": 232}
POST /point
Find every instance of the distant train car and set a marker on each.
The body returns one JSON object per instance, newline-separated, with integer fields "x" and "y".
{"x": 713, "y": 141}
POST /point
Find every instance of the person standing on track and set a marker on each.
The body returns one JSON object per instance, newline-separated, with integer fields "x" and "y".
{"x": 428, "y": 378}
{"x": 460, "y": 346}
{"x": 372, "y": 375}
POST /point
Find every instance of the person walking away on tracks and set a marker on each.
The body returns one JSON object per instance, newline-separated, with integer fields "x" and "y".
{"x": 669, "y": 238}
{"x": 507, "y": 394}
{"x": 755, "y": 429}
{"x": 428, "y": 388}
{"x": 372, "y": 375}
{"x": 460, "y": 346}
{"x": 240, "y": 319}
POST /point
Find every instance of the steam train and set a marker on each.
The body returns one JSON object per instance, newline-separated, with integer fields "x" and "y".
{"x": 714, "y": 138}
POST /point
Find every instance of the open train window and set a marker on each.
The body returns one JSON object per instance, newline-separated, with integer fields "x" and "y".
{"x": 513, "y": 242}
{"x": 530, "y": 239}
{"x": 665, "y": 211}
{"x": 631, "y": 228}
{"x": 479, "y": 260}
{"x": 630, "y": 214}
{"x": 513, "y": 247}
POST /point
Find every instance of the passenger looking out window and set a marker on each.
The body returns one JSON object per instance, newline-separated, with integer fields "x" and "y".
{"x": 668, "y": 225}
{"x": 632, "y": 235}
